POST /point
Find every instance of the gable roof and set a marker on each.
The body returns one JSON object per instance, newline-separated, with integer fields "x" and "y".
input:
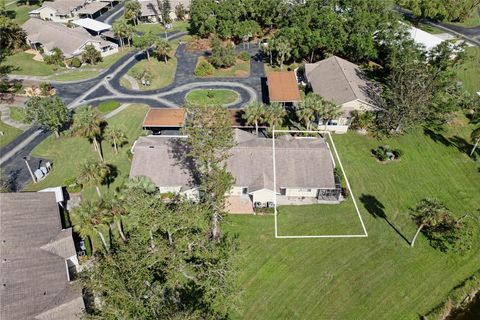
{"x": 92, "y": 7}
{"x": 33, "y": 272}
{"x": 91, "y": 24}
{"x": 302, "y": 162}
{"x": 283, "y": 87}
{"x": 64, "y": 6}
{"x": 56, "y": 35}
{"x": 338, "y": 80}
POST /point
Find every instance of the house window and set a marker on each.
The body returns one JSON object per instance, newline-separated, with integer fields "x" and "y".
{"x": 283, "y": 191}
{"x": 244, "y": 190}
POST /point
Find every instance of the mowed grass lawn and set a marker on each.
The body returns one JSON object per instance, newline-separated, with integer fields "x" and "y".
{"x": 68, "y": 153}
{"x": 9, "y": 133}
{"x": 240, "y": 69}
{"x": 379, "y": 277}
{"x": 469, "y": 71}
{"x": 158, "y": 28}
{"x": 211, "y": 96}
{"x": 162, "y": 73}
{"x": 20, "y": 12}
{"x": 25, "y": 65}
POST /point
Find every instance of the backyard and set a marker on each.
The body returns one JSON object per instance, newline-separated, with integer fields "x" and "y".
{"x": 379, "y": 277}
{"x": 66, "y": 151}
{"x": 211, "y": 96}
{"x": 158, "y": 28}
{"x": 468, "y": 71}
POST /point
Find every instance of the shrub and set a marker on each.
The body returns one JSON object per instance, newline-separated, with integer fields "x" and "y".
{"x": 244, "y": 55}
{"x": 386, "y": 153}
{"x": 76, "y": 63}
{"x": 204, "y": 69}
{"x": 72, "y": 185}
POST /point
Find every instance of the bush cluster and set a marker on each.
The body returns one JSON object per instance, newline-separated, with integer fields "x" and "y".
{"x": 76, "y": 63}
{"x": 386, "y": 153}
{"x": 204, "y": 69}
{"x": 244, "y": 55}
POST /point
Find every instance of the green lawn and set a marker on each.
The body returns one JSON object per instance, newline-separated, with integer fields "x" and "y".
{"x": 211, "y": 96}
{"x": 27, "y": 66}
{"x": 18, "y": 114}
{"x": 162, "y": 73}
{"x": 379, "y": 277}
{"x": 158, "y": 28}
{"x": 472, "y": 21}
{"x": 9, "y": 133}
{"x": 20, "y": 12}
{"x": 314, "y": 220}
{"x": 108, "y": 106}
{"x": 75, "y": 75}
{"x": 429, "y": 28}
{"x": 125, "y": 83}
{"x": 68, "y": 152}
{"x": 240, "y": 69}
{"x": 469, "y": 71}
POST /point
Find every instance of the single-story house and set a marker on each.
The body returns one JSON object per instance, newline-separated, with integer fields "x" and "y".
{"x": 149, "y": 11}
{"x": 38, "y": 257}
{"x": 304, "y": 169}
{"x": 165, "y": 120}
{"x": 58, "y": 10}
{"x": 283, "y": 87}
{"x": 47, "y": 35}
{"x": 343, "y": 83}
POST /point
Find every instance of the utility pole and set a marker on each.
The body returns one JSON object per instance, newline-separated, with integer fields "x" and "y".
{"x": 29, "y": 169}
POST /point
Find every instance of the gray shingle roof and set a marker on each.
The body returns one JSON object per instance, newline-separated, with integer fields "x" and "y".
{"x": 300, "y": 162}
{"x": 33, "y": 247}
{"x": 52, "y": 34}
{"x": 338, "y": 80}
{"x": 64, "y": 6}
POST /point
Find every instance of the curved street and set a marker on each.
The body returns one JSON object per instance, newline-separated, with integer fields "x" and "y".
{"x": 106, "y": 86}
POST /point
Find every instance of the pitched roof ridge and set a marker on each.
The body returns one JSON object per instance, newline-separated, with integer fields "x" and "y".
{"x": 338, "y": 60}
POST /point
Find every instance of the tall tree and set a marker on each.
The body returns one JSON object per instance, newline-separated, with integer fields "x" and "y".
{"x": 87, "y": 123}
{"x": 254, "y": 114}
{"x": 145, "y": 42}
{"x": 49, "y": 112}
{"x": 93, "y": 173}
{"x": 162, "y": 49}
{"x": 180, "y": 11}
{"x": 116, "y": 136}
{"x": 132, "y": 10}
{"x": 88, "y": 222}
{"x": 210, "y": 138}
{"x": 431, "y": 216}
{"x": 283, "y": 51}
{"x": 119, "y": 29}
{"x": 275, "y": 114}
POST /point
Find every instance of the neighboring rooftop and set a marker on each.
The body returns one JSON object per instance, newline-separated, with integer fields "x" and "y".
{"x": 428, "y": 40}
{"x": 92, "y": 24}
{"x": 300, "y": 162}
{"x": 165, "y": 117}
{"x": 92, "y": 8}
{"x": 338, "y": 80}
{"x": 283, "y": 87}
{"x": 56, "y": 35}
{"x": 34, "y": 248}
{"x": 64, "y": 6}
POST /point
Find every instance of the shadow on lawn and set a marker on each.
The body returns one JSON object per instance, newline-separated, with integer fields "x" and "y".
{"x": 376, "y": 209}
{"x": 458, "y": 142}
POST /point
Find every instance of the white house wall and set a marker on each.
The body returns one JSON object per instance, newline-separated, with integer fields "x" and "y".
{"x": 263, "y": 196}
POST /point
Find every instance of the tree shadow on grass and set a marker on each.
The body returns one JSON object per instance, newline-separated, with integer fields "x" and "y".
{"x": 376, "y": 209}
{"x": 437, "y": 137}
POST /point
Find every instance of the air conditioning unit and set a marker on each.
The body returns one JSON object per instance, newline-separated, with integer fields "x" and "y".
{"x": 257, "y": 204}
{"x": 271, "y": 204}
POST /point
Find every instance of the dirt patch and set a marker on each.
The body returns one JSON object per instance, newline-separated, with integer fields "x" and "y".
{"x": 241, "y": 73}
{"x": 199, "y": 45}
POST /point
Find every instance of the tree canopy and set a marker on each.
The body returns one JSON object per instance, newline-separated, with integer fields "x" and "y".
{"x": 49, "y": 112}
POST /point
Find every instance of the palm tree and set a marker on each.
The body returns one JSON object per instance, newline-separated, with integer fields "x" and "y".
{"x": 428, "y": 213}
{"x": 275, "y": 114}
{"x": 132, "y": 10}
{"x": 87, "y": 123}
{"x": 475, "y": 136}
{"x": 254, "y": 114}
{"x": 327, "y": 111}
{"x": 119, "y": 29}
{"x": 113, "y": 212}
{"x": 163, "y": 48}
{"x": 88, "y": 221}
{"x": 116, "y": 137}
{"x": 305, "y": 114}
{"x": 93, "y": 173}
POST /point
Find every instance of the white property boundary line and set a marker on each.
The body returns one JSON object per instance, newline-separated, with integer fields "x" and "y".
{"x": 346, "y": 181}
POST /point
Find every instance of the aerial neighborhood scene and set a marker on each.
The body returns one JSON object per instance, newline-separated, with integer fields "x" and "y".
{"x": 239, "y": 159}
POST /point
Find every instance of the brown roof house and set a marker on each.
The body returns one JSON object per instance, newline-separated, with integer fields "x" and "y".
{"x": 58, "y": 10}
{"x": 165, "y": 120}
{"x": 343, "y": 83}
{"x": 283, "y": 87}
{"x": 72, "y": 41}
{"x": 37, "y": 258}
{"x": 304, "y": 169}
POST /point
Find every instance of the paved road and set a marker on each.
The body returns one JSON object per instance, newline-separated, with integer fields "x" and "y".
{"x": 472, "y": 35}
{"x": 106, "y": 86}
